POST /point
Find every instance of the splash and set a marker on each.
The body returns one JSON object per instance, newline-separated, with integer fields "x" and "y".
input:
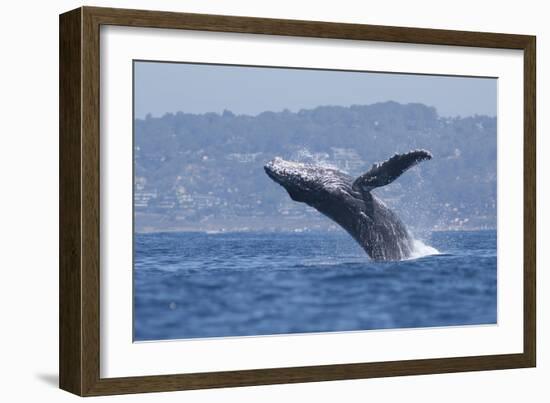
{"x": 321, "y": 159}
{"x": 420, "y": 249}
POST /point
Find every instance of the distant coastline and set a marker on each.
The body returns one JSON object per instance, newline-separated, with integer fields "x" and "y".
{"x": 273, "y": 225}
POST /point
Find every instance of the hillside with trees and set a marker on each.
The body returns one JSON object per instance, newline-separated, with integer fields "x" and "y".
{"x": 205, "y": 171}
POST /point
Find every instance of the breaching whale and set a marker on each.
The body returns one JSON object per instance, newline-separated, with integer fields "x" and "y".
{"x": 350, "y": 203}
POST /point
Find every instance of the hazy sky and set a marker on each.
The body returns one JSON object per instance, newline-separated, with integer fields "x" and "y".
{"x": 193, "y": 88}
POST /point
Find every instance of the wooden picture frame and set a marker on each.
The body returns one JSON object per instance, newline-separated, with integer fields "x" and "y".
{"x": 79, "y": 278}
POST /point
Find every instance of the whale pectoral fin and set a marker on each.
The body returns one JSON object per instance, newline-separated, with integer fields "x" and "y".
{"x": 388, "y": 171}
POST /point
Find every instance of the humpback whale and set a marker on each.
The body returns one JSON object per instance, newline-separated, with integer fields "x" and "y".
{"x": 349, "y": 201}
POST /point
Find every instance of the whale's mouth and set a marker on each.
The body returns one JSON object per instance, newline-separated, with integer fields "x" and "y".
{"x": 279, "y": 170}
{"x": 272, "y": 173}
{"x": 291, "y": 176}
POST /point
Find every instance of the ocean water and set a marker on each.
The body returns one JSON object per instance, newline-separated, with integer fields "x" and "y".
{"x": 196, "y": 285}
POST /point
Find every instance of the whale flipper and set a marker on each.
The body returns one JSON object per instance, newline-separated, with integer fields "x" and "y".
{"x": 389, "y": 170}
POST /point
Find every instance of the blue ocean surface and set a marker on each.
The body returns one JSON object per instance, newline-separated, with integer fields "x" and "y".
{"x": 197, "y": 285}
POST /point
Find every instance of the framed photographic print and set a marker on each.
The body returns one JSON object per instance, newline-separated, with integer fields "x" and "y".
{"x": 249, "y": 201}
